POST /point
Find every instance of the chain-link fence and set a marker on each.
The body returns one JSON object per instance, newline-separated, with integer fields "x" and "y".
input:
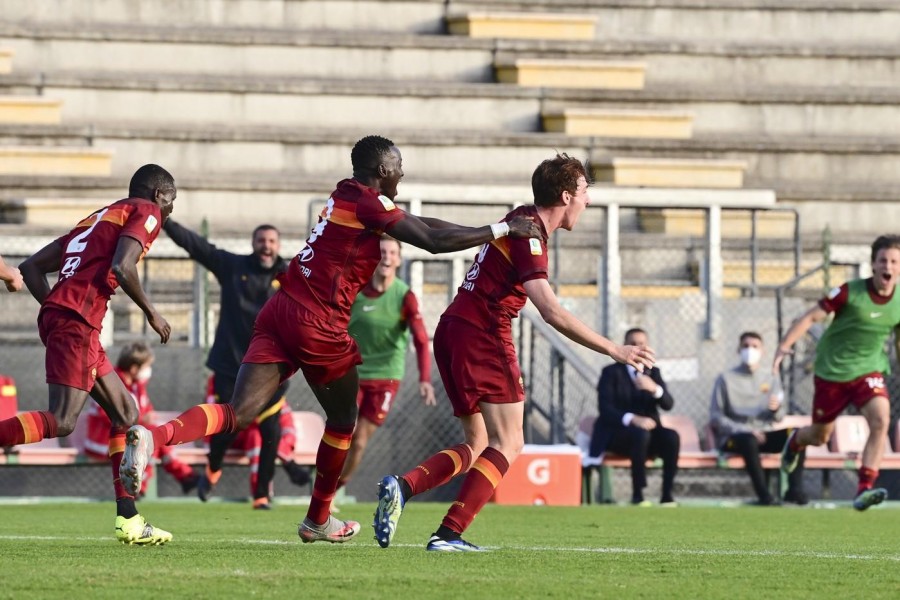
{"x": 662, "y": 291}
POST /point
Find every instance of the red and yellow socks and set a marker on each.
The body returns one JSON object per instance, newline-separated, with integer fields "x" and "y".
{"x": 867, "y": 478}
{"x": 27, "y": 428}
{"x": 195, "y": 423}
{"x": 438, "y": 469}
{"x": 477, "y": 489}
{"x": 329, "y": 465}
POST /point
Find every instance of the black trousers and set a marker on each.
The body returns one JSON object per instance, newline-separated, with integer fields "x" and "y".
{"x": 269, "y": 429}
{"x": 639, "y": 445}
{"x": 750, "y": 448}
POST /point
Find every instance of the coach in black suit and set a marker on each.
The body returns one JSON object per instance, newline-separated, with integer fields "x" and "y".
{"x": 629, "y": 421}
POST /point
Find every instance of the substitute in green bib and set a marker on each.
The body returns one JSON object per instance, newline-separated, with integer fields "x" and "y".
{"x": 385, "y": 315}
{"x": 851, "y": 363}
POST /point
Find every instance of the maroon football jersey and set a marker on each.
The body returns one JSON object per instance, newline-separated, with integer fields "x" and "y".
{"x": 342, "y": 251}
{"x": 492, "y": 293}
{"x": 85, "y": 280}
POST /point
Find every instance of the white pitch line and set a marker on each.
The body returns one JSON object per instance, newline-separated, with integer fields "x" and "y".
{"x": 602, "y": 550}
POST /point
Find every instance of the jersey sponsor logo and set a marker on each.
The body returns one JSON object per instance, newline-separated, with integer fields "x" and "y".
{"x": 535, "y": 245}
{"x": 368, "y": 308}
{"x": 69, "y": 267}
{"x": 306, "y": 254}
{"x": 473, "y": 272}
{"x": 833, "y": 293}
{"x": 150, "y": 223}
{"x": 874, "y": 315}
{"x": 386, "y": 202}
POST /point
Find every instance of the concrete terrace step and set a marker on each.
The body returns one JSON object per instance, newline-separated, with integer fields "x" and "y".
{"x": 243, "y": 51}
{"x": 446, "y": 105}
{"x": 670, "y": 172}
{"x": 615, "y": 122}
{"x": 18, "y": 160}
{"x": 393, "y": 15}
{"x": 213, "y": 148}
{"x": 844, "y": 20}
{"x": 691, "y": 222}
{"x": 372, "y": 54}
{"x": 6, "y": 55}
{"x": 27, "y": 109}
{"x": 568, "y": 73}
{"x": 519, "y": 25}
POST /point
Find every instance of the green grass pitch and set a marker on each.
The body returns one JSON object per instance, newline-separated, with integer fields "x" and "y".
{"x": 224, "y": 550}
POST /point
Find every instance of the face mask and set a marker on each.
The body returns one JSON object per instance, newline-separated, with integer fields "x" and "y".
{"x": 751, "y": 356}
{"x": 144, "y": 374}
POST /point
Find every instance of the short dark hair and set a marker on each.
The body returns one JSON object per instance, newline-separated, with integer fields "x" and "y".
{"x": 368, "y": 153}
{"x": 554, "y": 176}
{"x": 388, "y": 238}
{"x": 149, "y": 178}
{"x": 134, "y": 354}
{"x": 264, "y": 227}
{"x": 883, "y": 243}
{"x": 634, "y": 330}
{"x": 749, "y": 334}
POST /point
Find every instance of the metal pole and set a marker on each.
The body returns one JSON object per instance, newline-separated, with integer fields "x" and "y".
{"x": 754, "y": 252}
{"x": 713, "y": 268}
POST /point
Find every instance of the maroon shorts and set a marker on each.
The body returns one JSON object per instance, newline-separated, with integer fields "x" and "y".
{"x": 376, "y": 397}
{"x": 476, "y": 366}
{"x": 285, "y": 332}
{"x": 74, "y": 356}
{"x": 832, "y": 397}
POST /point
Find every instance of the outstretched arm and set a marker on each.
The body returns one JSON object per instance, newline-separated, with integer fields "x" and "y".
{"x": 11, "y": 276}
{"x": 799, "y": 328}
{"x": 35, "y": 269}
{"x": 124, "y": 268}
{"x": 197, "y": 246}
{"x": 419, "y": 233}
{"x": 541, "y": 294}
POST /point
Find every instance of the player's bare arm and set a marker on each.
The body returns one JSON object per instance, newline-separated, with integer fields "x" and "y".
{"x": 541, "y": 295}
{"x": 798, "y": 329}
{"x": 124, "y": 267}
{"x": 35, "y": 269}
{"x": 417, "y": 232}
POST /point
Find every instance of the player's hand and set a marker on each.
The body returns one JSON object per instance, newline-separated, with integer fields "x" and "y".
{"x": 645, "y": 383}
{"x": 640, "y": 358}
{"x": 774, "y": 402}
{"x": 524, "y": 227}
{"x": 780, "y": 353}
{"x": 760, "y": 437}
{"x": 645, "y": 423}
{"x": 16, "y": 282}
{"x": 426, "y": 390}
{"x": 160, "y": 326}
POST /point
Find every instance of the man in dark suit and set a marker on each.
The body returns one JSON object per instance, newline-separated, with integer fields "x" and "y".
{"x": 629, "y": 422}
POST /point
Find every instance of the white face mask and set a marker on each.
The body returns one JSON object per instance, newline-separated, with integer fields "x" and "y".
{"x": 144, "y": 374}
{"x": 751, "y": 356}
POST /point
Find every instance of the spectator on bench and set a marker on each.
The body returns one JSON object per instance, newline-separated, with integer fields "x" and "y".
{"x": 746, "y": 405}
{"x": 629, "y": 421}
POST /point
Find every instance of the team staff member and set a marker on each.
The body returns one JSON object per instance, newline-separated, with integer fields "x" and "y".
{"x": 247, "y": 281}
